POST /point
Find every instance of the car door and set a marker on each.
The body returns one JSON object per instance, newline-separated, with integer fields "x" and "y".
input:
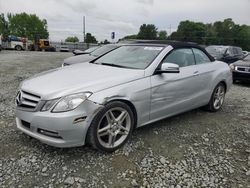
{"x": 173, "y": 93}
{"x": 205, "y": 69}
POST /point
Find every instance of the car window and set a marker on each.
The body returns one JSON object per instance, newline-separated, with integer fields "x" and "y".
{"x": 91, "y": 49}
{"x": 103, "y": 50}
{"x": 216, "y": 51}
{"x": 182, "y": 57}
{"x": 230, "y": 52}
{"x": 247, "y": 58}
{"x": 235, "y": 51}
{"x": 200, "y": 56}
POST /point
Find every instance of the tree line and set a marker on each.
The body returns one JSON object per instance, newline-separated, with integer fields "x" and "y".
{"x": 225, "y": 32}
{"x": 218, "y": 33}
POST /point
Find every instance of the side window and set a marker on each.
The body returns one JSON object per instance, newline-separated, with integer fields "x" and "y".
{"x": 235, "y": 51}
{"x": 229, "y": 52}
{"x": 182, "y": 57}
{"x": 200, "y": 56}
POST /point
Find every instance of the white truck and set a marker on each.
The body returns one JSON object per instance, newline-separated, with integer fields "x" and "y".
{"x": 14, "y": 43}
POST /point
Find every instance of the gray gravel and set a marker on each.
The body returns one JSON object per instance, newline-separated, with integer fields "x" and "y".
{"x": 194, "y": 149}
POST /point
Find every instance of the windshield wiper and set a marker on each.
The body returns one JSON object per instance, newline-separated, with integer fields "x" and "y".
{"x": 113, "y": 65}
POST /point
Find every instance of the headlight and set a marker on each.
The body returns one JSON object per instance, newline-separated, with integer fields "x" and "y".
{"x": 49, "y": 104}
{"x": 70, "y": 102}
{"x": 232, "y": 67}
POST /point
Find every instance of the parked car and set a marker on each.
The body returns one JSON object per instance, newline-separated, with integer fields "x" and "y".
{"x": 228, "y": 54}
{"x": 64, "y": 48}
{"x": 91, "y": 56}
{"x": 88, "y": 51}
{"x": 101, "y": 102}
{"x": 241, "y": 69}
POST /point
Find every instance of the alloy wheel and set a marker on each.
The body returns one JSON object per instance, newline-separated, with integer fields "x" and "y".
{"x": 114, "y": 127}
{"x": 219, "y": 96}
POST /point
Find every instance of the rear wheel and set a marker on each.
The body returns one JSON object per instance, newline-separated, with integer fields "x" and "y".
{"x": 217, "y": 98}
{"x": 111, "y": 127}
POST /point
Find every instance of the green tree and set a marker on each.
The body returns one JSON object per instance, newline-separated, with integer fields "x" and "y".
{"x": 162, "y": 35}
{"x": 89, "y": 38}
{"x": 4, "y": 26}
{"x": 191, "y": 31}
{"x": 72, "y": 39}
{"x": 148, "y": 32}
{"x": 27, "y": 25}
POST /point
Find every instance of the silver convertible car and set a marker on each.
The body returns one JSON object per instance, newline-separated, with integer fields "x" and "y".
{"x": 101, "y": 102}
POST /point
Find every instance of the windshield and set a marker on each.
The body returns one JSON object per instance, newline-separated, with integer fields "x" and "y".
{"x": 216, "y": 51}
{"x": 138, "y": 57}
{"x": 91, "y": 49}
{"x": 247, "y": 58}
{"x": 103, "y": 50}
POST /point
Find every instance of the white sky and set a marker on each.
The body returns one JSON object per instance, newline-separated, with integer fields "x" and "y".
{"x": 124, "y": 17}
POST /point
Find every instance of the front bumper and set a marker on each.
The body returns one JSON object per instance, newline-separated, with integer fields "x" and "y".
{"x": 244, "y": 76}
{"x": 58, "y": 129}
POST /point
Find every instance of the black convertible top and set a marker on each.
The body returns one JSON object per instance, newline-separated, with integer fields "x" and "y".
{"x": 174, "y": 44}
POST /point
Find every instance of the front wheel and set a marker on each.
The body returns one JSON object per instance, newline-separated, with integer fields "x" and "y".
{"x": 217, "y": 98}
{"x": 18, "y": 48}
{"x": 111, "y": 127}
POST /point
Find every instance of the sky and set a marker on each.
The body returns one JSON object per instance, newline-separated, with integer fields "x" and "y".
{"x": 124, "y": 17}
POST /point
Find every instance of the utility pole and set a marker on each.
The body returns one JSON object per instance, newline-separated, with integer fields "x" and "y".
{"x": 170, "y": 31}
{"x": 83, "y": 28}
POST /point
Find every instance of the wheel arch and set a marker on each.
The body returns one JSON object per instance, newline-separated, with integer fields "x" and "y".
{"x": 131, "y": 106}
{"x": 224, "y": 83}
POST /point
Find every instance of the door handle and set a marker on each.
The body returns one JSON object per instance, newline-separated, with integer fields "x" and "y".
{"x": 196, "y": 73}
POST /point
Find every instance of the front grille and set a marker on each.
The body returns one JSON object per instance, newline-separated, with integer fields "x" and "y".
{"x": 243, "y": 69}
{"x": 27, "y": 100}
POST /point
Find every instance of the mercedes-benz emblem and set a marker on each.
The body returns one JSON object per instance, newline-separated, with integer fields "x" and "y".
{"x": 19, "y": 98}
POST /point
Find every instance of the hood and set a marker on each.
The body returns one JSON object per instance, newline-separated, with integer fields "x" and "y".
{"x": 242, "y": 63}
{"x": 78, "y": 78}
{"x": 79, "y": 59}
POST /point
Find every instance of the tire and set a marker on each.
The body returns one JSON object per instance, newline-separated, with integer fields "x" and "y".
{"x": 106, "y": 132}
{"x": 18, "y": 48}
{"x": 217, "y": 98}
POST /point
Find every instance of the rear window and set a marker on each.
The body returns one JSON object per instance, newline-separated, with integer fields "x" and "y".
{"x": 217, "y": 51}
{"x": 103, "y": 50}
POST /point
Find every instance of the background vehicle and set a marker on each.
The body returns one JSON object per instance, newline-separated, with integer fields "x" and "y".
{"x": 41, "y": 45}
{"x": 241, "y": 69}
{"x": 228, "y": 54}
{"x": 90, "y": 56}
{"x": 64, "y": 48}
{"x": 88, "y": 51}
{"x": 133, "y": 85}
{"x": 245, "y": 53}
{"x": 13, "y": 42}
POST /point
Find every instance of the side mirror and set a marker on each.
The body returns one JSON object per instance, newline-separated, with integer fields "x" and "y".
{"x": 168, "y": 68}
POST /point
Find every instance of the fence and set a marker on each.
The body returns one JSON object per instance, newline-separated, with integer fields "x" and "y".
{"x": 73, "y": 46}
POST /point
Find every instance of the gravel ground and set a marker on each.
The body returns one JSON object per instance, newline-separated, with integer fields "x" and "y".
{"x": 194, "y": 149}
